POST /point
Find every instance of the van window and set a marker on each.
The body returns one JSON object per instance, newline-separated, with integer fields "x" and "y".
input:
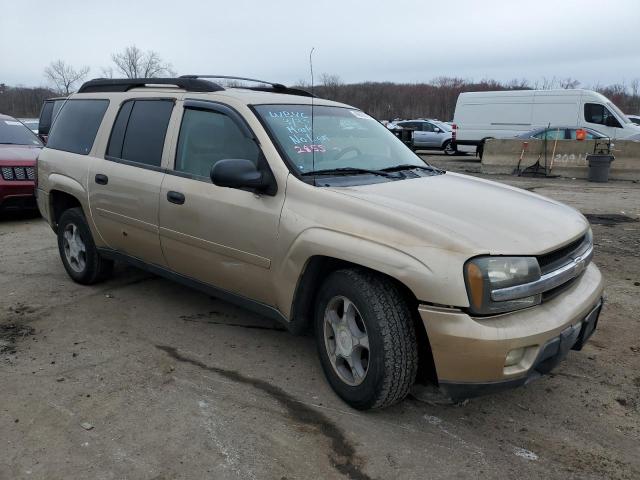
{"x": 76, "y": 125}
{"x": 139, "y": 131}
{"x": 206, "y": 137}
{"x": 596, "y": 113}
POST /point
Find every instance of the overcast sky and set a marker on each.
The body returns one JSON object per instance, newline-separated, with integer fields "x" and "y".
{"x": 402, "y": 41}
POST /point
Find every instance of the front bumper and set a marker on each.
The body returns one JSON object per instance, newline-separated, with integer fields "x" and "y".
{"x": 16, "y": 195}
{"x": 469, "y": 353}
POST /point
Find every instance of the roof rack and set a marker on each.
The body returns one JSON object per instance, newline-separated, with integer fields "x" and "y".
{"x": 190, "y": 84}
{"x": 273, "y": 87}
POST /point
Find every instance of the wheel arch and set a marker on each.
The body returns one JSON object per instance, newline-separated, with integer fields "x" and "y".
{"x": 59, "y": 202}
{"x": 64, "y": 193}
{"x": 317, "y": 269}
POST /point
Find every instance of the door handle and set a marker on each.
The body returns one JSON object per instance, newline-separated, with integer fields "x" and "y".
{"x": 175, "y": 197}
{"x": 101, "y": 179}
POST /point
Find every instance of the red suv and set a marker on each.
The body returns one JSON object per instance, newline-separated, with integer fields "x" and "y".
{"x": 19, "y": 148}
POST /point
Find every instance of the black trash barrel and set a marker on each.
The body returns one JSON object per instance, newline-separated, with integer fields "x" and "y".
{"x": 599, "y": 166}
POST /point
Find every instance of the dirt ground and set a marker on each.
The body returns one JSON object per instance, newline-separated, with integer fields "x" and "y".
{"x": 141, "y": 378}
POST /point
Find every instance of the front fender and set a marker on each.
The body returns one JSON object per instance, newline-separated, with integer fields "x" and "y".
{"x": 316, "y": 241}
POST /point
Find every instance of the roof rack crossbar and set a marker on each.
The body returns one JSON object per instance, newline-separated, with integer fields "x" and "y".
{"x": 275, "y": 87}
{"x": 125, "y": 84}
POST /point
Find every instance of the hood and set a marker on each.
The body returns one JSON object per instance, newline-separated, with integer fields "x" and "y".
{"x": 632, "y": 131}
{"x": 486, "y": 217}
{"x": 19, "y": 154}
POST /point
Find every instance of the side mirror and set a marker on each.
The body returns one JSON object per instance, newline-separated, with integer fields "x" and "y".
{"x": 242, "y": 174}
{"x": 437, "y": 130}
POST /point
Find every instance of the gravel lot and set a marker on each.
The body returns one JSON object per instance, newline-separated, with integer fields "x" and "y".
{"x": 142, "y": 378}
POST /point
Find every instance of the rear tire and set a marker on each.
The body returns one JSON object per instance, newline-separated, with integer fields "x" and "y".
{"x": 78, "y": 252}
{"x": 363, "y": 317}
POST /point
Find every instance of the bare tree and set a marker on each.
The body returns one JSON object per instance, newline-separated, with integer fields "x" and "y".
{"x": 635, "y": 92}
{"x": 107, "y": 72}
{"x": 569, "y": 83}
{"x": 132, "y": 62}
{"x": 64, "y": 77}
{"x": 549, "y": 83}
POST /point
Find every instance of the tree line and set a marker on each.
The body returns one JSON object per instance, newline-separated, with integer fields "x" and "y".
{"x": 383, "y": 100}
{"x": 437, "y": 98}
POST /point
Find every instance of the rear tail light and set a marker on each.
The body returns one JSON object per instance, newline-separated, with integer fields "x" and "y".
{"x": 454, "y": 129}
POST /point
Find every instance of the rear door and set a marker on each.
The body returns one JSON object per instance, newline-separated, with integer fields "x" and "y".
{"x": 124, "y": 187}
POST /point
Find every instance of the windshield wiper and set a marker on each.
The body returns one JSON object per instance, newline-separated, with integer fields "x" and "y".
{"x": 349, "y": 171}
{"x": 408, "y": 166}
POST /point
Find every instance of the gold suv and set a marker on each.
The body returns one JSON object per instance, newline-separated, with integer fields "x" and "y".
{"x": 313, "y": 213}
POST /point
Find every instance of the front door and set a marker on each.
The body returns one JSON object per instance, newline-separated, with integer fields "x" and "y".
{"x": 431, "y": 137}
{"x": 124, "y": 187}
{"x": 221, "y": 236}
{"x": 600, "y": 118}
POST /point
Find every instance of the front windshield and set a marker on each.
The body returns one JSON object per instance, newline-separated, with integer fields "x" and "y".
{"x": 13, "y": 132}
{"x": 341, "y": 138}
{"x": 622, "y": 116}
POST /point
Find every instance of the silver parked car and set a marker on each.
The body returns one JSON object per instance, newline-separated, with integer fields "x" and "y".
{"x": 430, "y": 134}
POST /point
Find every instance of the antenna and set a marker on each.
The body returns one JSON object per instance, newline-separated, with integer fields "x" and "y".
{"x": 313, "y": 150}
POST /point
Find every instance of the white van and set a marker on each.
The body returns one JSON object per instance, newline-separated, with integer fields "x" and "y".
{"x": 483, "y": 115}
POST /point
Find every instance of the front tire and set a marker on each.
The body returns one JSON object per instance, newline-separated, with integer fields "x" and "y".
{"x": 78, "y": 252}
{"x": 366, "y": 338}
{"x": 449, "y": 148}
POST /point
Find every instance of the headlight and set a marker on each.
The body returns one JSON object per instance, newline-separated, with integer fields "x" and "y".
{"x": 485, "y": 274}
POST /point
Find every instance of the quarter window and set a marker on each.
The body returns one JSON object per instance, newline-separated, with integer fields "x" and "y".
{"x": 139, "y": 131}
{"x": 596, "y": 113}
{"x": 76, "y": 125}
{"x": 551, "y": 134}
{"x": 206, "y": 137}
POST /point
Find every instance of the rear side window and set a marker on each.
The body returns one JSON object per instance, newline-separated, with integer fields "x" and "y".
{"x": 76, "y": 125}
{"x": 139, "y": 131}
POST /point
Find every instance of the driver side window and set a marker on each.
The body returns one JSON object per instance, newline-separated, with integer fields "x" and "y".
{"x": 206, "y": 137}
{"x": 596, "y": 113}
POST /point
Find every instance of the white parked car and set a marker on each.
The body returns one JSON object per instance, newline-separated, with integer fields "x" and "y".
{"x": 483, "y": 115}
{"x": 634, "y": 118}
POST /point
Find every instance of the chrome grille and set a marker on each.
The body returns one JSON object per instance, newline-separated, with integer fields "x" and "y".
{"x": 18, "y": 173}
{"x": 553, "y": 260}
{"x": 559, "y": 269}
